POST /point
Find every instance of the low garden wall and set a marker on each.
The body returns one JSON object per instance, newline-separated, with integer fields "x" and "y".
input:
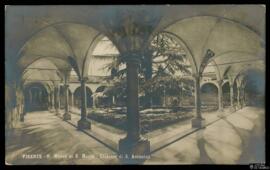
{"x": 151, "y": 119}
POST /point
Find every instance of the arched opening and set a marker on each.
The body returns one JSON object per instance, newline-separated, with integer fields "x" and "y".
{"x": 102, "y": 98}
{"x": 209, "y": 96}
{"x": 166, "y": 73}
{"x": 77, "y": 97}
{"x": 226, "y": 94}
{"x": 35, "y": 97}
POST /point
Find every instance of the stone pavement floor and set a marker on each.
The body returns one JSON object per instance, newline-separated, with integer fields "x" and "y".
{"x": 46, "y": 134}
{"x": 238, "y": 138}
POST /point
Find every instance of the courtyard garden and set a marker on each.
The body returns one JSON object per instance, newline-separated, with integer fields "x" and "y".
{"x": 151, "y": 119}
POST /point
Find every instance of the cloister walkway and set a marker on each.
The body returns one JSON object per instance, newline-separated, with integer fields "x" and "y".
{"x": 236, "y": 138}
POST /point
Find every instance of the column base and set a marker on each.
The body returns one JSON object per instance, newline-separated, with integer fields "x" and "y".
{"x": 21, "y": 117}
{"x": 239, "y": 107}
{"x": 232, "y": 109}
{"x": 67, "y": 116}
{"x": 198, "y": 123}
{"x": 84, "y": 124}
{"x": 57, "y": 113}
{"x": 221, "y": 113}
{"x": 134, "y": 152}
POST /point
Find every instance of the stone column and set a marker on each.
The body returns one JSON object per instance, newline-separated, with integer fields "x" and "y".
{"x": 94, "y": 100}
{"x": 198, "y": 121}
{"x": 67, "y": 115}
{"x": 164, "y": 97}
{"x": 242, "y": 97}
{"x": 22, "y": 110}
{"x": 231, "y": 98}
{"x": 220, "y": 96}
{"x": 57, "y": 100}
{"x": 30, "y": 96}
{"x": 40, "y": 96}
{"x": 49, "y": 102}
{"x": 151, "y": 99}
{"x": 220, "y": 99}
{"x": 60, "y": 97}
{"x": 113, "y": 100}
{"x": 133, "y": 142}
{"x": 23, "y": 113}
{"x": 72, "y": 101}
{"x": 52, "y": 102}
{"x": 238, "y": 97}
{"x": 83, "y": 123}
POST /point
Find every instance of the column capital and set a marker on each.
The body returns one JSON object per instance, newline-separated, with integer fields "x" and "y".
{"x": 220, "y": 82}
{"x": 132, "y": 57}
{"x": 84, "y": 79}
{"x": 66, "y": 85}
{"x": 196, "y": 76}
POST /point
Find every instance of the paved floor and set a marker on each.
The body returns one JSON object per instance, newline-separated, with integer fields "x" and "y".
{"x": 236, "y": 139}
{"x": 46, "y": 134}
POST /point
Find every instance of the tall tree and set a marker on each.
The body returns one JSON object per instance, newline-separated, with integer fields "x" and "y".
{"x": 164, "y": 61}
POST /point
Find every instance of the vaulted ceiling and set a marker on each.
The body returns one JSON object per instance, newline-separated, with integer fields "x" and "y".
{"x": 67, "y": 35}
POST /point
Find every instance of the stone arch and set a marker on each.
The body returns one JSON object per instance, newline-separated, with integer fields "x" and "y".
{"x": 209, "y": 95}
{"x": 101, "y": 99}
{"x": 100, "y": 88}
{"x": 210, "y": 82}
{"x": 35, "y": 96}
{"x": 77, "y": 97}
{"x": 225, "y": 81}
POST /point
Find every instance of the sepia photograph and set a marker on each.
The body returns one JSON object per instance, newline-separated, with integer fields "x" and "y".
{"x": 135, "y": 84}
